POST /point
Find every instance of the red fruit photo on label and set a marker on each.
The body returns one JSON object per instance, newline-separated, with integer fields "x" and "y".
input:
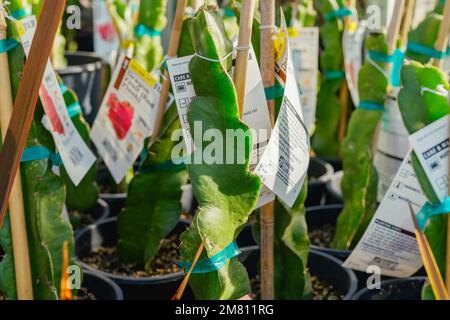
{"x": 106, "y": 32}
{"x": 121, "y": 115}
{"x": 50, "y": 111}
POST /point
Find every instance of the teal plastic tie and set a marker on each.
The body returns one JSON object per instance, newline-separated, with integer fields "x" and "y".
{"x": 274, "y": 92}
{"x": 430, "y": 210}
{"x": 338, "y": 14}
{"x": 20, "y": 13}
{"x": 8, "y": 44}
{"x": 63, "y": 88}
{"x": 227, "y": 12}
{"x": 74, "y": 109}
{"x": 333, "y": 74}
{"x": 40, "y": 153}
{"x": 397, "y": 62}
{"x": 371, "y": 106}
{"x": 214, "y": 263}
{"x": 142, "y": 30}
{"x": 161, "y": 166}
{"x": 427, "y": 51}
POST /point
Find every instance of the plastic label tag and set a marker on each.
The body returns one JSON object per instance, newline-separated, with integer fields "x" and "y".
{"x": 389, "y": 242}
{"x": 126, "y": 116}
{"x": 75, "y": 154}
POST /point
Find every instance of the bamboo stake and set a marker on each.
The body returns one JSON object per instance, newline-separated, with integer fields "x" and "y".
{"x": 393, "y": 33}
{"x": 442, "y": 39}
{"x": 26, "y": 99}
{"x": 344, "y": 93}
{"x": 429, "y": 262}
{"x": 441, "y": 45}
{"x": 244, "y": 42}
{"x": 447, "y": 260}
{"x": 268, "y": 211}
{"x": 172, "y": 52}
{"x": 179, "y": 293}
{"x": 21, "y": 253}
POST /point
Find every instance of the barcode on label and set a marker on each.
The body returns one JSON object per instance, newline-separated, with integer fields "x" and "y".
{"x": 110, "y": 149}
{"x": 75, "y": 156}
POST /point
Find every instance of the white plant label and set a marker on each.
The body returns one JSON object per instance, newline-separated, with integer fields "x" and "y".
{"x": 285, "y": 162}
{"x": 431, "y": 147}
{"x": 126, "y": 116}
{"x": 256, "y": 113}
{"x": 106, "y": 40}
{"x": 423, "y": 7}
{"x": 390, "y": 242}
{"x": 184, "y": 93}
{"x": 352, "y": 43}
{"x": 393, "y": 144}
{"x": 304, "y": 43}
{"x": 75, "y": 154}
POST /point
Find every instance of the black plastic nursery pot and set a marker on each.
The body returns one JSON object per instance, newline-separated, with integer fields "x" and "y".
{"x": 319, "y": 218}
{"x": 101, "y": 287}
{"x": 320, "y": 265}
{"x": 333, "y": 191}
{"x": 396, "y": 289}
{"x": 96, "y": 214}
{"x": 116, "y": 201}
{"x": 319, "y": 172}
{"x": 84, "y": 74}
{"x": 149, "y": 288}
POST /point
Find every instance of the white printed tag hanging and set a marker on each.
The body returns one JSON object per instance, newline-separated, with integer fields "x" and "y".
{"x": 126, "y": 116}
{"x": 283, "y": 167}
{"x": 75, "y": 154}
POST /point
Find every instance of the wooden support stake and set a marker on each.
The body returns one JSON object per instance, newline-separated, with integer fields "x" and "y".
{"x": 393, "y": 33}
{"x": 172, "y": 52}
{"x": 26, "y": 99}
{"x": 441, "y": 45}
{"x": 442, "y": 39}
{"x": 16, "y": 208}
{"x": 268, "y": 211}
{"x": 344, "y": 93}
{"x": 243, "y": 49}
{"x": 179, "y": 293}
{"x": 429, "y": 261}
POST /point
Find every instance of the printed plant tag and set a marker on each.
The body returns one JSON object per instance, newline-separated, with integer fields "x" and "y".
{"x": 393, "y": 144}
{"x": 74, "y": 152}
{"x": 285, "y": 162}
{"x": 126, "y": 116}
{"x": 389, "y": 242}
{"x": 256, "y": 114}
{"x": 305, "y": 58}
{"x": 106, "y": 40}
{"x": 352, "y": 43}
{"x": 431, "y": 147}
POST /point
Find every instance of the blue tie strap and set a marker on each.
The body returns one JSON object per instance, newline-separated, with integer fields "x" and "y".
{"x": 274, "y": 92}
{"x": 427, "y": 51}
{"x": 20, "y": 13}
{"x": 371, "y": 106}
{"x": 397, "y": 62}
{"x": 338, "y": 14}
{"x": 333, "y": 74}
{"x": 161, "y": 166}
{"x": 74, "y": 109}
{"x": 142, "y": 30}
{"x": 214, "y": 263}
{"x": 40, "y": 153}
{"x": 8, "y": 44}
{"x": 430, "y": 210}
